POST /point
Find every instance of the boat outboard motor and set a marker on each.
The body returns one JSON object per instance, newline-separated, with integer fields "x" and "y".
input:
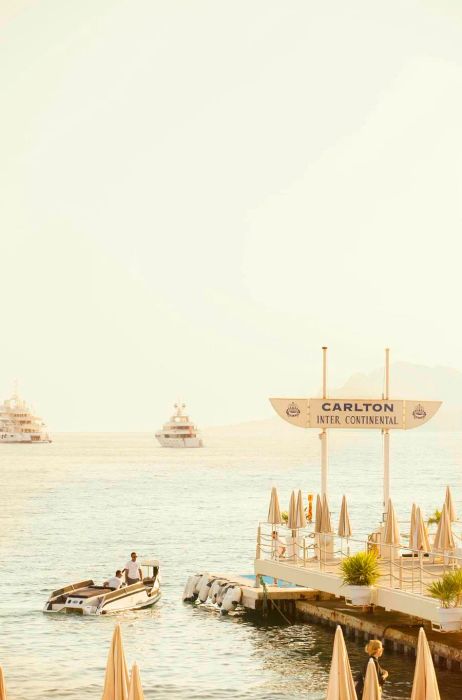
{"x": 188, "y": 593}
{"x": 232, "y": 599}
{"x": 205, "y": 590}
{"x": 202, "y": 581}
{"x": 222, "y": 592}
{"x": 216, "y": 585}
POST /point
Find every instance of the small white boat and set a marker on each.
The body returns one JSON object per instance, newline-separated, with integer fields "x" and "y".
{"x": 179, "y": 431}
{"x": 88, "y": 598}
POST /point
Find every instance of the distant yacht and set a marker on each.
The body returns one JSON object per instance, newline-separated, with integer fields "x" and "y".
{"x": 19, "y": 424}
{"x": 179, "y": 431}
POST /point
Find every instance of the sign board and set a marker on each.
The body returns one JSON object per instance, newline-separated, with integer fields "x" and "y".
{"x": 382, "y": 414}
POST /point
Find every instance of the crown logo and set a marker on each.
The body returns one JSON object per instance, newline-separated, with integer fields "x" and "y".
{"x": 419, "y": 412}
{"x": 293, "y": 410}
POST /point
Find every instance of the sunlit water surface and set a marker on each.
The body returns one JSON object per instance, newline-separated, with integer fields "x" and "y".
{"x": 76, "y": 508}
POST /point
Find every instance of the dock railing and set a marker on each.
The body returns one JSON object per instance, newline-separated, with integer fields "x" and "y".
{"x": 401, "y": 567}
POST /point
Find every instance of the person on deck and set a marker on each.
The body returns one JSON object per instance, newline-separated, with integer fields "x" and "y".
{"x": 132, "y": 570}
{"x": 374, "y": 650}
{"x": 278, "y": 545}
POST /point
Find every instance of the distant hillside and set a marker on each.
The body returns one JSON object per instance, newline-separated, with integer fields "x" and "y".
{"x": 414, "y": 382}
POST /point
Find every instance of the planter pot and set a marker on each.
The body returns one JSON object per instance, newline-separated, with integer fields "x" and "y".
{"x": 358, "y": 595}
{"x": 449, "y": 619}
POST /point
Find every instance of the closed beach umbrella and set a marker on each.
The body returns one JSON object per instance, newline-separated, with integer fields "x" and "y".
{"x": 274, "y": 512}
{"x": 450, "y": 505}
{"x": 135, "y": 692}
{"x": 318, "y": 518}
{"x": 116, "y": 681}
{"x": 344, "y": 527}
{"x": 3, "y": 695}
{"x": 423, "y": 542}
{"x": 341, "y": 685}
{"x": 444, "y": 539}
{"x": 371, "y": 690}
{"x": 413, "y": 528}
{"x": 326, "y": 525}
{"x": 425, "y": 685}
{"x": 300, "y": 511}
{"x": 292, "y": 521}
{"x": 391, "y": 534}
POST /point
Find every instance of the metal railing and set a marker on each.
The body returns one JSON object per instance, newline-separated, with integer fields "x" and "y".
{"x": 401, "y": 567}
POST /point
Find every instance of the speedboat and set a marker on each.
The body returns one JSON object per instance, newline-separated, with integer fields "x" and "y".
{"x": 88, "y": 598}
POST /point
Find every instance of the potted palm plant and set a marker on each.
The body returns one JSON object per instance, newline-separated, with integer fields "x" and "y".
{"x": 448, "y": 590}
{"x": 359, "y": 574}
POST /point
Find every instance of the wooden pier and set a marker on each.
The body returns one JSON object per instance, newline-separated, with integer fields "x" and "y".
{"x": 398, "y": 631}
{"x": 254, "y": 598}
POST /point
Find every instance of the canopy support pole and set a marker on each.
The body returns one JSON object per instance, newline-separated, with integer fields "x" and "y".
{"x": 386, "y": 438}
{"x": 323, "y": 434}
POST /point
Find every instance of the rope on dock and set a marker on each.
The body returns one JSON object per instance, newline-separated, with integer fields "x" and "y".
{"x": 273, "y": 603}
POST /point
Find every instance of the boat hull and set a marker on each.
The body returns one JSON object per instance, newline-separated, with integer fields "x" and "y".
{"x": 115, "y": 602}
{"x": 179, "y": 441}
{"x": 27, "y": 438}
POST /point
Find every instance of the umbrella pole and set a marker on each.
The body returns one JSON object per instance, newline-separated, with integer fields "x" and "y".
{"x": 421, "y": 571}
{"x": 323, "y": 434}
{"x": 386, "y": 437}
{"x": 294, "y": 546}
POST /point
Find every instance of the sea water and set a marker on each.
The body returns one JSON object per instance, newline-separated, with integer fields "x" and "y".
{"x": 76, "y": 508}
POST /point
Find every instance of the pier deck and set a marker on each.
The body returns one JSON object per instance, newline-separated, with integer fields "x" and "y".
{"x": 252, "y": 597}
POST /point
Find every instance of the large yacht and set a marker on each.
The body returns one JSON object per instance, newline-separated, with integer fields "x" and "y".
{"x": 19, "y": 424}
{"x": 179, "y": 431}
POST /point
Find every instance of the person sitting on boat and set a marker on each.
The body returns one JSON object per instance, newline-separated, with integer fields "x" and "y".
{"x": 132, "y": 570}
{"x": 115, "y": 582}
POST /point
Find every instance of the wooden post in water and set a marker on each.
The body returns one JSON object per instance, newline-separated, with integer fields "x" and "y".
{"x": 258, "y": 555}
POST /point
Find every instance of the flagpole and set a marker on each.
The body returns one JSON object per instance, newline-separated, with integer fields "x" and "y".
{"x": 323, "y": 434}
{"x": 386, "y": 437}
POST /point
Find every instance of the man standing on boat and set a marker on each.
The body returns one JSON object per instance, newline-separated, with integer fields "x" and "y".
{"x": 132, "y": 570}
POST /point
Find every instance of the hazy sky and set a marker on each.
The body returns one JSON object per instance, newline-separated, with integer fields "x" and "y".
{"x": 195, "y": 196}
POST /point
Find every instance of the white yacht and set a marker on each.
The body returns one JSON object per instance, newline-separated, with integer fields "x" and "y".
{"x": 179, "y": 431}
{"x": 19, "y": 424}
{"x": 88, "y": 598}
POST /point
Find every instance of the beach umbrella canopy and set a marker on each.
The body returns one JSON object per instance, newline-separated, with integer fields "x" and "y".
{"x": 274, "y": 512}
{"x": 371, "y": 690}
{"x": 135, "y": 691}
{"x": 413, "y": 528}
{"x": 444, "y": 539}
{"x": 344, "y": 527}
{"x": 341, "y": 684}
{"x": 318, "y": 518}
{"x": 300, "y": 511}
{"x": 326, "y": 525}
{"x": 116, "y": 681}
{"x": 450, "y": 505}
{"x": 391, "y": 534}
{"x": 292, "y": 521}
{"x": 3, "y": 695}
{"x": 425, "y": 685}
{"x": 423, "y": 542}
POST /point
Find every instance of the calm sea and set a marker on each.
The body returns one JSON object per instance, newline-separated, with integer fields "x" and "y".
{"x": 76, "y": 508}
